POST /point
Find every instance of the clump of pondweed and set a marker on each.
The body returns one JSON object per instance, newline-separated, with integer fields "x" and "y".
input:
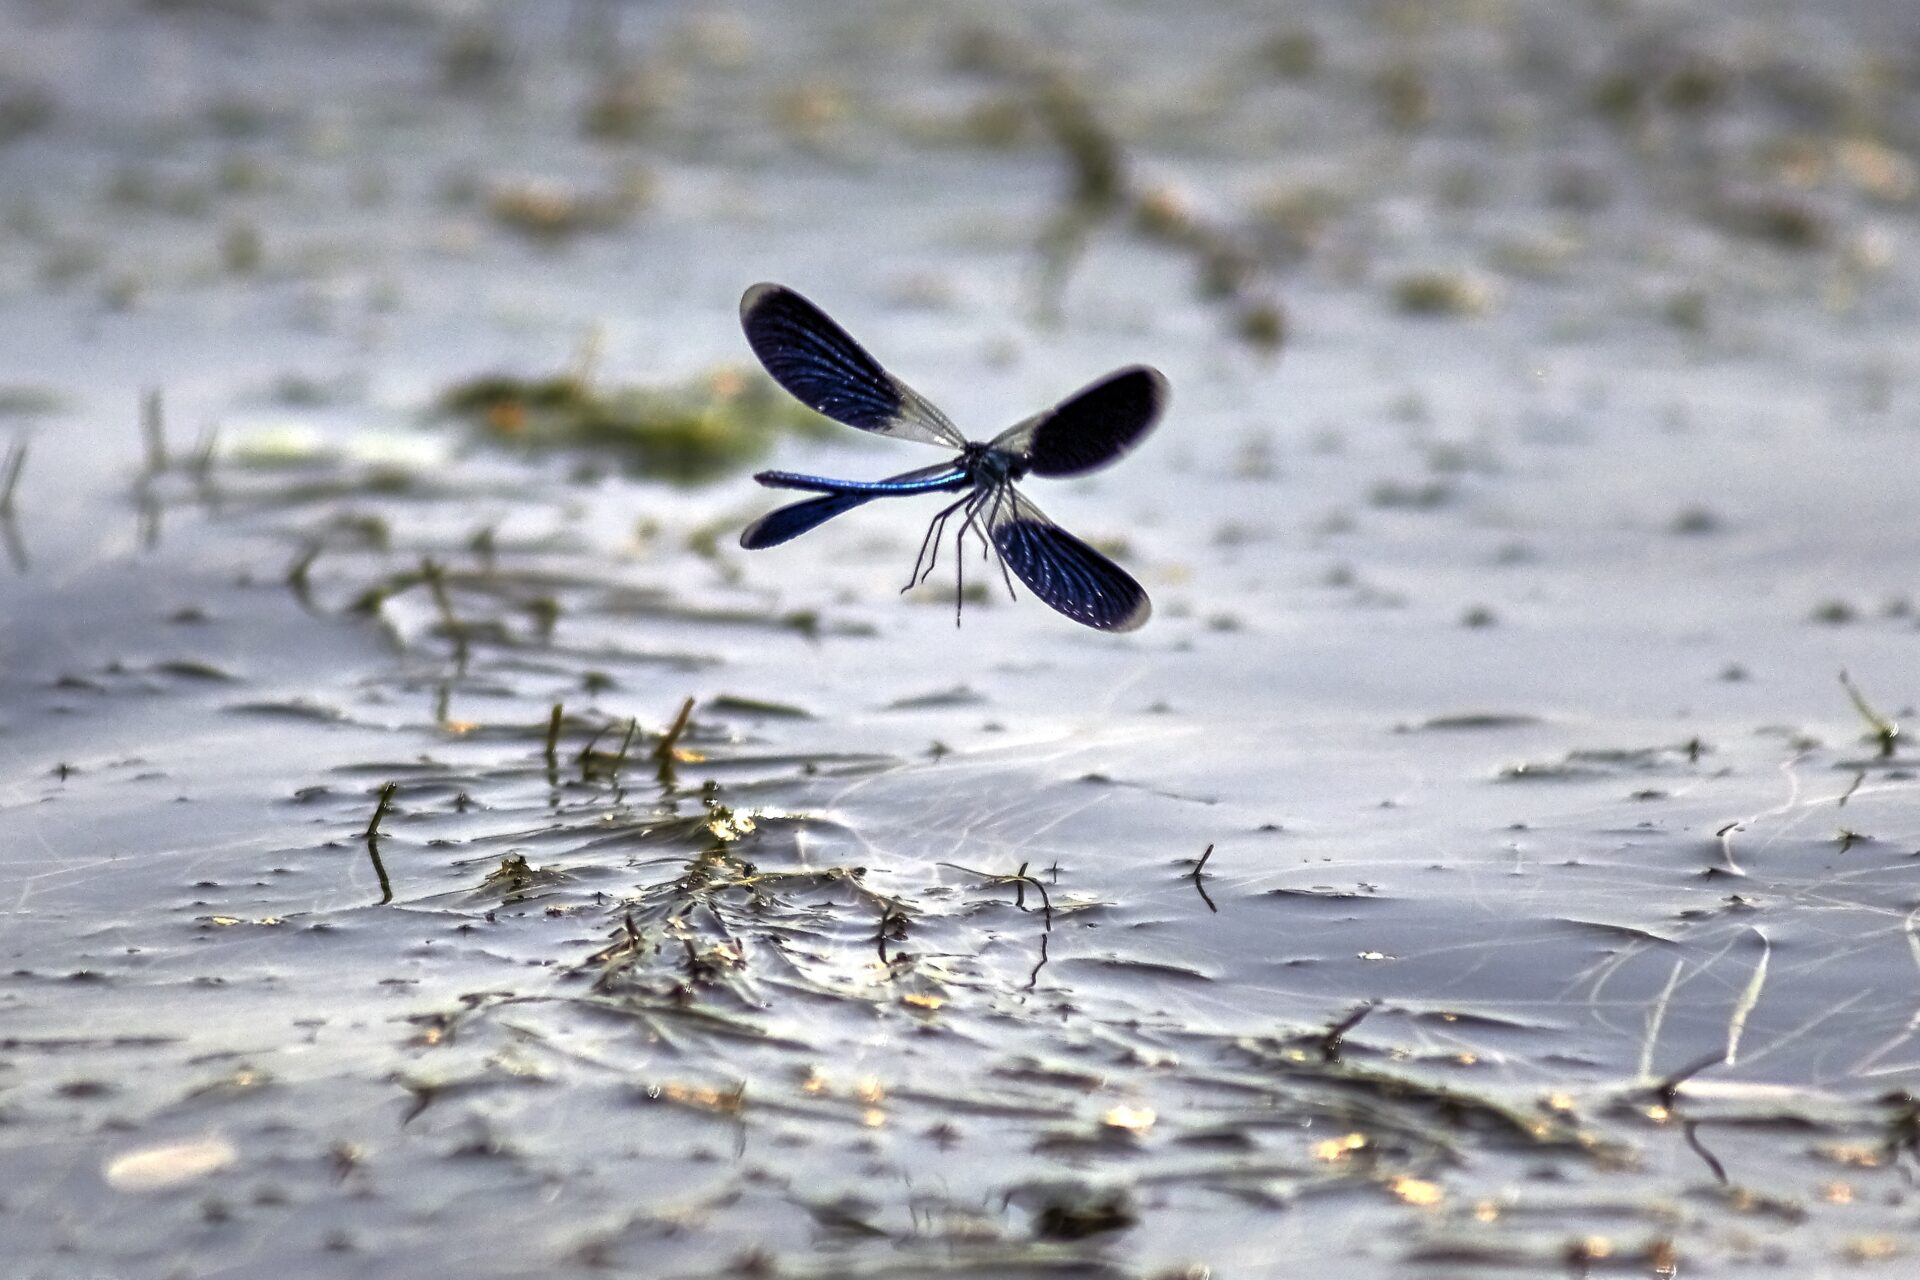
{"x": 688, "y": 432}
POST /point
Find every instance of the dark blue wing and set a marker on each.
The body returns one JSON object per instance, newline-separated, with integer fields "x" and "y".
{"x": 785, "y": 523}
{"x": 830, "y": 373}
{"x": 1092, "y": 427}
{"x": 1063, "y": 571}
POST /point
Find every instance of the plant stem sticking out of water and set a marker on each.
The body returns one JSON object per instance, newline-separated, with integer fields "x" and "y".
{"x": 670, "y": 740}
{"x": 1668, "y": 1090}
{"x": 1335, "y": 1038}
{"x": 553, "y": 735}
{"x": 665, "y": 752}
{"x": 892, "y": 928}
{"x": 1198, "y": 867}
{"x": 1667, "y": 1098}
{"x": 436, "y": 580}
{"x": 372, "y": 836}
{"x": 1885, "y": 731}
{"x": 1691, "y": 1129}
{"x": 1019, "y": 880}
{"x": 484, "y": 550}
{"x": 380, "y": 811}
{"x": 626, "y": 741}
{"x": 10, "y": 469}
{"x": 299, "y": 580}
{"x": 1903, "y": 1132}
{"x": 153, "y": 429}
{"x": 585, "y": 757}
{"x": 1033, "y": 978}
{"x": 205, "y": 452}
{"x": 379, "y": 870}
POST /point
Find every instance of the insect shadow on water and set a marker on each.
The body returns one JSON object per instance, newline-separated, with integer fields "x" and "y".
{"x": 825, "y": 369}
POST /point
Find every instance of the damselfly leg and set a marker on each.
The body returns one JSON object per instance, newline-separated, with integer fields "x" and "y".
{"x": 930, "y": 545}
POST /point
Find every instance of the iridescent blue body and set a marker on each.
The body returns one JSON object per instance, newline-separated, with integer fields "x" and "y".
{"x": 825, "y": 369}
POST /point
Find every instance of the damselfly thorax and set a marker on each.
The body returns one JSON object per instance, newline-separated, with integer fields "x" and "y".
{"x": 989, "y": 465}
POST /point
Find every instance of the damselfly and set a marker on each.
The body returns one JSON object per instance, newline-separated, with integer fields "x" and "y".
{"x": 830, "y": 373}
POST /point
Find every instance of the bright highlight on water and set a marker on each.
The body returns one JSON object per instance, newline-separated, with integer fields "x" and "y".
{"x": 830, "y": 373}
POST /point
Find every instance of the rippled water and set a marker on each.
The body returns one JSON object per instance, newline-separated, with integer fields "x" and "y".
{"x": 1477, "y": 867}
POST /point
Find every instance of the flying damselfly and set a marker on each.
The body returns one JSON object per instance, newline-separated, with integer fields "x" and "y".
{"x": 830, "y": 373}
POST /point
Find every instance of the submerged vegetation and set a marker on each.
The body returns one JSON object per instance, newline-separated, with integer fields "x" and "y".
{"x": 689, "y": 433}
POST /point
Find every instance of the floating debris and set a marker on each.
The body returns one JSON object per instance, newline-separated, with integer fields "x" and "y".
{"x": 1442, "y": 293}
{"x": 160, "y": 1168}
{"x": 552, "y": 212}
{"x": 689, "y": 433}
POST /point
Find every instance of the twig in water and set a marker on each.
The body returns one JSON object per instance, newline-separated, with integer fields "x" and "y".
{"x": 380, "y": 870}
{"x": 10, "y": 537}
{"x": 456, "y": 630}
{"x": 299, "y": 579}
{"x": 1019, "y": 880}
{"x": 1668, "y": 1090}
{"x": 10, "y": 470}
{"x": 666, "y": 752}
{"x": 1335, "y": 1036}
{"x": 372, "y": 836}
{"x": 615, "y": 955}
{"x": 1041, "y": 963}
{"x": 892, "y": 928}
{"x": 205, "y": 449}
{"x": 380, "y": 810}
{"x": 553, "y": 733}
{"x": 482, "y": 544}
{"x": 585, "y": 758}
{"x": 626, "y": 740}
{"x": 1198, "y": 867}
{"x": 154, "y": 430}
{"x": 1690, "y": 1128}
{"x": 151, "y": 514}
{"x": 663, "y": 750}
{"x": 1903, "y": 1133}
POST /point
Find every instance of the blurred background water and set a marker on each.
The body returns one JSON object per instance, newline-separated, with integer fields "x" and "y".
{"x": 1540, "y": 456}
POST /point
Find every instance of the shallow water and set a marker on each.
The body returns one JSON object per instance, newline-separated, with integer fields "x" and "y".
{"x": 1560, "y": 913}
